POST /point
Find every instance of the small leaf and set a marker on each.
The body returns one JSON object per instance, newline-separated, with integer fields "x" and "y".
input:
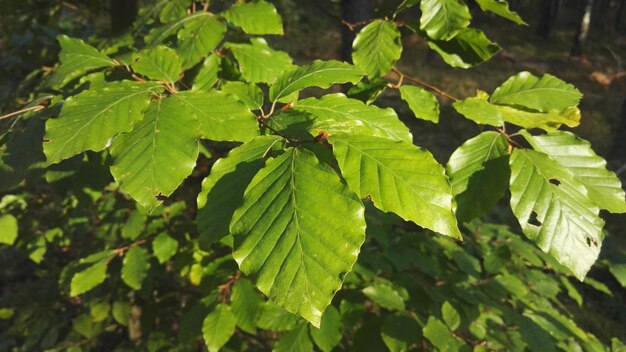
{"x": 8, "y": 226}
{"x": 218, "y": 327}
{"x": 274, "y": 317}
{"x": 198, "y": 37}
{"x": 159, "y": 63}
{"x": 398, "y": 177}
{"x": 330, "y": 332}
{"x": 259, "y": 17}
{"x": 246, "y": 303}
{"x": 399, "y": 332}
{"x": 319, "y": 74}
{"x": 479, "y": 174}
{"x": 450, "y": 316}
{"x": 479, "y": 110}
{"x": 543, "y": 94}
{"x": 158, "y": 35}
{"x": 376, "y": 48}
{"x": 135, "y": 267}
{"x": 121, "y": 312}
{"x": 438, "y": 334}
{"x": 501, "y": 8}
{"x": 443, "y": 19}
{"x": 554, "y": 211}
{"x": 297, "y": 339}
{"x": 164, "y": 247}
{"x": 422, "y": 102}
{"x": 154, "y": 159}
{"x": 90, "y": 119}
{"x": 77, "y": 58}
{"x": 249, "y": 93}
{"x": 470, "y": 47}
{"x": 619, "y": 272}
{"x": 367, "y": 91}
{"x": 298, "y": 249}
{"x": 208, "y": 74}
{"x": 260, "y": 63}
{"x": 89, "y": 278}
{"x": 385, "y": 295}
{"x": 174, "y": 10}
{"x": 222, "y": 117}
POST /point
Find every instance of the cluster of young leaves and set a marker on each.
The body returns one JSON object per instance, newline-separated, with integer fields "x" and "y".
{"x": 289, "y": 202}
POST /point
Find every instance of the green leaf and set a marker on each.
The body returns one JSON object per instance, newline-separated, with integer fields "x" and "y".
{"x": 274, "y": 317}
{"x": 121, "y": 312}
{"x": 468, "y": 48}
{"x": 159, "y": 63}
{"x": 399, "y": 332}
{"x": 174, "y": 10}
{"x": 21, "y": 152}
{"x": 158, "y": 154}
{"x": 198, "y": 37}
{"x": 319, "y": 74}
{"x": 83, "y": 325}
{"x": 258, "y": 17}
{"x": 89, "y": 278}
{"x": 619, "y": 272}
{"x": 218, "y": 327}
{"x": 90, "y": 119}
{"x": 222, "y": 191}
{"x": 135, "y": 267}
{"x": 603, "y": 186}
{"x": 422, "y": 102}
{"x": 438, "y": 334}
{"x": 479, "y": 110}
{"x": 450, "y": 316}
{"x": 260, "y": 63}
{"x": 337, "y": 114}
{"x": 541, "y": 94}
{"x": 501, "y": 8}
{"x": 548, "y": 121}
{"x": 8, "y": 224}
{"x": 77, "y": 58}
{"x": 330, "y": 332}
{"x": 249, "y": 93}
{"x": 367, "y": 91}
{"x": 572, "y": 291}
{"x": 398, "y": 177}
{"x": 134, "y": 226}
{"x": 443, "y": 19}
{"x": 295, "y": 340}
{"x": 298, "y": 247}
{"x": 160, "y": 34}
{"x": 385, "y": 296}
{"x": 222, "y": 117}
{"x": 208, "y": 74}
{"x": 479, "y": 174}
{"x": 164, "y": 247}
{"x": 554, "y": 211}
{"x": 376, "y": 48}
{"x": 246, "y": 303}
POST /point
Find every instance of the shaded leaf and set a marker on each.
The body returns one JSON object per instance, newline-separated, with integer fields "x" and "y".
{"x": 330, "y": 332}
{"x": 208, "y": 74}
{"x": 468, "y": 48}
{"x": 135, "y": 267}
{"x": 295, "y": 340}
{"x": 258, "y": 17}
{"x": 249, "y": 93}
{"x": 246, "y": 303}
{"x": 198, "y": 37}
{"x": 385, "y": 295}
{"x": 501, "y": 8}
{"x": 399, "y": 332}
{"x": 367, "y": 92}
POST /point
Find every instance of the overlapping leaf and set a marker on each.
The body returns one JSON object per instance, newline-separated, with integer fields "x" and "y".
{"x": 479, "y": 110}
{"x": 90, "y": 119}
{"x": 575, "y": 154}
{"x": 218, "y": 327}
{"x": 443, "y": 19}
{"x": 160, "y": 63}
{"x": 398, "y": 177}
{"x": 198, "y": 37}
{"x": 155, "y": 158}
{"x": 422, "y": 102}
{"x": 258, "y": 17}
{"x": 468, "y": 48}
{"x": 479, "y": 174}
{"x": 376, "y": 48}
{"x": 260, "y": 63}
{"x": 555, "y": 211}
{"x": 249, "y": 93}
{"x": 500, "y": 8}
{"x": 174, "y": 10}
{"x": 208, "y": 74}
{"x": 77, "y": 58}
{"x": 298, "y": 232}
{"x": 135, "y": 267}
{"x": 547, "y": 121}
{"x": 319, "y": 74}
{"x": 222, "y": 117}
{"x": 222, "y": 191}
{"x": 337, "y": 114}
{"x": 162, "y": 33}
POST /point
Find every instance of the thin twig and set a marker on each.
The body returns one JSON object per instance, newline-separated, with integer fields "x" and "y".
{"x": 30, "y": 108}
{"x": 262, "y": 123}
{"x": 424, "y": 84}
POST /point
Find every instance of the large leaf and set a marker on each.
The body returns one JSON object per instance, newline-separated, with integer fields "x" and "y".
{"x": 479, "y": 174}
{"x": 222, "y": 191}
{"x": 443, "y": 19}
{"x": 21, "y": 152}
{"x": 330, "y": 332}
{"x": 221, "y": 116}
{"x": 198, "y": 37}
{"x": 337, "y": 114}
{"x": 218, "y": 327}
{"x": 258, "y": 17}
{"x": 319, "y": 74}
{"x": 260, "y": 63}
{"x": 246, "y": 303}
{"x": 468, "y": 48}
{"x": 398, "y": 177}
{"x": 296, "y": 339}
{"x": 77, "y": 58}
{"x": 249, "y": 93}
{"x": 90, "y": 119}
{"x": 154, "y": 159}
{"x": 542, "y": 94}
{"x": 135, "y": 267}
{"x": 422, "y": 102}
{"x": 575, "y": 154}
{"x": 554, "y": 210}
{"x": 500, "y": 8}
{"x": 479, "y": 110}
{"x": 376, "y": 48}
{"x": 547, "y": 121}
{"x": 298, "y": 232}
{"x": 160, "y": 63}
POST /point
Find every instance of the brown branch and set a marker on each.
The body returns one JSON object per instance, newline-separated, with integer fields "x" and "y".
{"x": 423, "y": 84}
{"x": 30, "y": 108}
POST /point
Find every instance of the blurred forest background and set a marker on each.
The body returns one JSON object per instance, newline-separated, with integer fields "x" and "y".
{"x": 580, "y": 41}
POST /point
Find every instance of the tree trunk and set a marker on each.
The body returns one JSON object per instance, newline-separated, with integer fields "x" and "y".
{"x": 618, "y": 15}
{"x": 549, "y": 13}
{"x": 354, "y": 12}
{"x": 583, "y": 31}
{"x": 123, "y": 14}
{"x": 618, "y": 152}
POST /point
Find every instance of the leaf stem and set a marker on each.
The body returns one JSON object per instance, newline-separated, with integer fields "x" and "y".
{"x": 422, "y": 83}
